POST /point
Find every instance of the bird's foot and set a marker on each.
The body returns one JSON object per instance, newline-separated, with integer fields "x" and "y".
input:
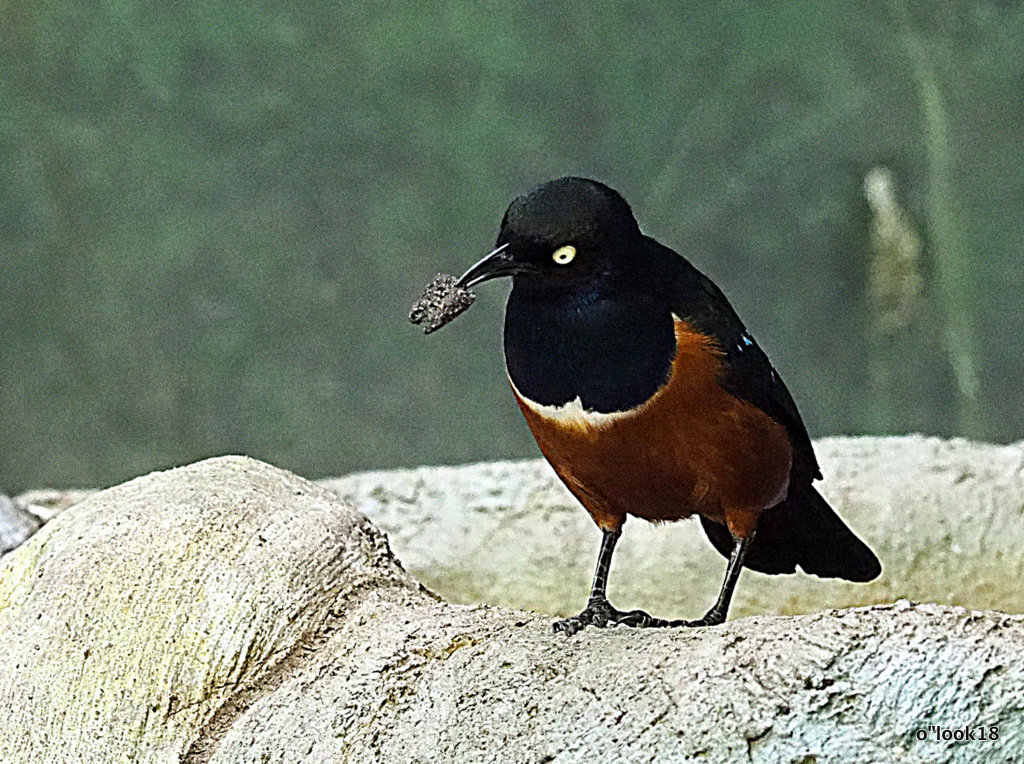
{"x": 711, "y": 618}
{"x": 600, "y": 613}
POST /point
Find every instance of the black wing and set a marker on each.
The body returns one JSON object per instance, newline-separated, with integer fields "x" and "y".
{"x": 749, "y": 374}
{"x": 802, "y": 530}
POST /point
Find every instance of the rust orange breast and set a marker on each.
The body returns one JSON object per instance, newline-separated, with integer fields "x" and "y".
{"x": 691, "y": 448}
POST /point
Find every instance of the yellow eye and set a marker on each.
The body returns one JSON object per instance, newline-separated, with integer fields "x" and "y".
{"x": 564, "y": 255}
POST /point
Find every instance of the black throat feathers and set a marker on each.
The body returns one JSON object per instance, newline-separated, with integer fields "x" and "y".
{"x": 612, "y": 351}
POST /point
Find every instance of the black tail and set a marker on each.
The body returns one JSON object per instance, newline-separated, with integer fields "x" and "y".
{"x": 803, "y": 530}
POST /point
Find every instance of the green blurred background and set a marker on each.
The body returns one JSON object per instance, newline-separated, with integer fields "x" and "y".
{"x": 214, "y": 216}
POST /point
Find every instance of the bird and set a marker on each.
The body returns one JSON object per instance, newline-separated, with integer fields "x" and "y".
{"x": 650, "y": 398}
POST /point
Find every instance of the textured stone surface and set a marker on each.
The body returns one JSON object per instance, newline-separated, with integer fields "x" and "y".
{"x": 46, "y": 503}
{"x": 16, "y": 524}
{"x": 130, "y": 619}
{"x": 232, "y": 612}
{"x": 405, "y": 679}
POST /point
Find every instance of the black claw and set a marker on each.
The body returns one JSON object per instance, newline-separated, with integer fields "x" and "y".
{"x": 639, "y": 619}
{"x": 601, "y": 614}
{"x": 597, "y": 613}
{"x": 711, "y": 618}
{"x": 568, "y": 626}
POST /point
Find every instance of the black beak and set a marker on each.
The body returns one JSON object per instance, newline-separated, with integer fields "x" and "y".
{"x": 497, "y": 263}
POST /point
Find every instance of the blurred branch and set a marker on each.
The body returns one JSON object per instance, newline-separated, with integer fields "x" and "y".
{"x": 951, "y": 259}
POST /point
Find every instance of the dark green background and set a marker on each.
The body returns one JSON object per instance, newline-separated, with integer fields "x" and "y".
{"x": 214, "y": 216}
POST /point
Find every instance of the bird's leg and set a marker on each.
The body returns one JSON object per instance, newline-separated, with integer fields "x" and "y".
{"x": 599, "y": 611}
{"x": 720, "y": 609}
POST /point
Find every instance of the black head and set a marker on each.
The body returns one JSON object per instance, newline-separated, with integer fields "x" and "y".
{"x": 566, "y": 233}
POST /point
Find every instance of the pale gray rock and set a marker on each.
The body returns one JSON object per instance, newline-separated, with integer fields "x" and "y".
{"x": 406, "y": 680}
{"x": 131, "y": 618}
{"x": 232, "y": 612}
{"x": 16, "y": 524}
{"x": 46, "y": 503}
